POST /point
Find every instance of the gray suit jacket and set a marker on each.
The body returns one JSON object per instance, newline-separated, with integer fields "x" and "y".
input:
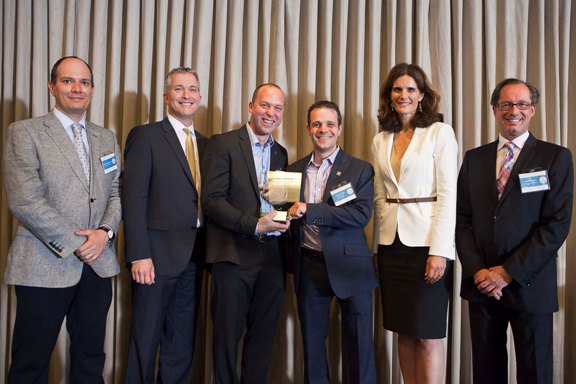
{"x": 49, "y": 195}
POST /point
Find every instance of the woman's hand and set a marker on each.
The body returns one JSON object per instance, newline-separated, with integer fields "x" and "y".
{"x": 435, "y": 268}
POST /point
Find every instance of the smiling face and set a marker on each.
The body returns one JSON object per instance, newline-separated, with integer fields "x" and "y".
{"x": 324, "y": 131}
{"x": 514, "y": 122}
{"x": 405, "y": 96}
{"x": 183, "y": 97}
{"x": 266, "y": 111}
{"x": 72, "y": 88}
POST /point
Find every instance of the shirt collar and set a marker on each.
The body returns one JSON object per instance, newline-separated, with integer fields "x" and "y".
{"x": 330, "y": 158}
{"x": 518, "y": 142}
{"x": 254, "y": 140}
{"x": 177, "y": 124}
{"x": 66, "y": 121}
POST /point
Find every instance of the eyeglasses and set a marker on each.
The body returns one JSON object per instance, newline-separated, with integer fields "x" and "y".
{"x": 506, "y": 106}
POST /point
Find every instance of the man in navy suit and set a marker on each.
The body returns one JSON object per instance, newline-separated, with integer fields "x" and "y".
{"x": 164, "y": 239}
{"x": 513, "y": 214}
{"x": 331, "y": 255}
{"x": 242, "y": 237}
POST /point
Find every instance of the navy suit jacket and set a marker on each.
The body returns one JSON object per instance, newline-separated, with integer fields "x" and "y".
{"x": 521, "y": 231}
{"x": 159, "y": 198}
{"x": 231, "y": 197}
{"x": 347, "y": 256}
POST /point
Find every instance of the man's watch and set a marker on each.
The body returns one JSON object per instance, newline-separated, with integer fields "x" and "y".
{"x": 108, "y": 231}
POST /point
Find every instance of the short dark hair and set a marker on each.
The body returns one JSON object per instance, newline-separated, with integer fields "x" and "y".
{"x": 428, "y": 115}
{"x": 534, "y": 93}
{"x": 325, "y": 104}
{"x": 173, "y": 71}
{"x": 258, "y": 88}
{"x": 54, "y": 71}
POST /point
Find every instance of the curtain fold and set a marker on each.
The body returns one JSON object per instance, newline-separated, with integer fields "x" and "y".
{"x": 332, "y": 49}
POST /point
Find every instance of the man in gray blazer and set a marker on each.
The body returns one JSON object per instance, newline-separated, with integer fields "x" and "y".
{"x": 61, "y": 178}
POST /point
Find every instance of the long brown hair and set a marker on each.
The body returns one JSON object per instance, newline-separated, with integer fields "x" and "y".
{"x": 390, "y": 121}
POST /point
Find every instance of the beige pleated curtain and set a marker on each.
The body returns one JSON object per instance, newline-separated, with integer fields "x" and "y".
{"x": 327, "y": 49}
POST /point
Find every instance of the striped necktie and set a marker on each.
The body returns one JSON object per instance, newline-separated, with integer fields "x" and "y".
{"x": 505, "y": 169}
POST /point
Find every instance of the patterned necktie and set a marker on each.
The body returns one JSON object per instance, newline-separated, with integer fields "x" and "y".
{"x": 505, "y": 169}
{"x": 81, "y": 149}
{"x": 192, "y": 163}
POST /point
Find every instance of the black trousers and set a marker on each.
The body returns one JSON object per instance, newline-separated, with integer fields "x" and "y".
{"x": 532, "y": 341}
{"x": 164, "y": 315}
{"x": 39, "y": 316}
{"x": 248, "y": 295}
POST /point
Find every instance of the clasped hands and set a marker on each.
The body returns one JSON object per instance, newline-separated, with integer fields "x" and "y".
{"x": 94, "y": 245}
{"x": 491, "y": 281}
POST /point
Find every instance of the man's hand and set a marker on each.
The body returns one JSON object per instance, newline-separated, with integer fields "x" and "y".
{"x": 267, "y": 224}
{"x": 94, "y": 245}
{"x": 491, "y": 281}
{"x": 274, "y": 195}
{"x": 435, "y": 268}
{"x": 297, "y": 210}
{"x": 143, "y": 272}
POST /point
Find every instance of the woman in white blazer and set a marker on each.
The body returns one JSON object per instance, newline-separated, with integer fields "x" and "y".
{"x": 415, "y": 161}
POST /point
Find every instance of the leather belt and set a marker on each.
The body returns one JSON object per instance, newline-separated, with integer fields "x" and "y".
{"x": 412, "y": 200}
{"x": 311, "y": 253}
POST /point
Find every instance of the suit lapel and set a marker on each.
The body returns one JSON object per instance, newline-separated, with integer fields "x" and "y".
{"x": 57, "y": 133}
{"x": 277, "y": 161}
{"x": 176, "y": 147}
{"x": 337, "y": 174}
{"x": 246, "y": 149}
{"x": 201, "y": 143}
{"x": 388, "y": 139}
{"x": 414, "y": 143}
{"x": 486, "y": 175}
{"x": 95, "y": 143}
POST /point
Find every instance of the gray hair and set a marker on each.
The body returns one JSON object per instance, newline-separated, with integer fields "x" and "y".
{"x": 168, "y": 79}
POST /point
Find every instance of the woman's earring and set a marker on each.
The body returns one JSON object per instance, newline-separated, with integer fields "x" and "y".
{"x": 392, "y": 105}
{"x": 419, "y": 106}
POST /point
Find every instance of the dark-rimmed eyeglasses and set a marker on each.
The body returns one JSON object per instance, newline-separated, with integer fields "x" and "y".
{"x": 506, "y": 106}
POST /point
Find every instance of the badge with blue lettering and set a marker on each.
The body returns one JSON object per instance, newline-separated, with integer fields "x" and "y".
{"x": 343, "y": 194}
{"x": 534, "y": 181}
{"x": 109, "y": 163}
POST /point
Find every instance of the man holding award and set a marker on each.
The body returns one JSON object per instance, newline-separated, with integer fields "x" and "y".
{"x": 242, "y": 238}
{"x": 332, "y": 257}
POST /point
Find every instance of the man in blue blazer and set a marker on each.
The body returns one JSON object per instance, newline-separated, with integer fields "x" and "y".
{"x": 243, "y": 239}
{"x": 164, "y": 240}
{"x": 514, "y": 210}
{"x": 330, "y": 253}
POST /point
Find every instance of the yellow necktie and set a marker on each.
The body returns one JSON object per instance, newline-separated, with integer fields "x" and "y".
{"x": 192, "y": 163}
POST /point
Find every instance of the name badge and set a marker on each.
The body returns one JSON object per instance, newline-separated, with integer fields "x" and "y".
{"x": 534, "y": 181}
{"x": 343, "y": 194}
{"x": 109, "y": 163}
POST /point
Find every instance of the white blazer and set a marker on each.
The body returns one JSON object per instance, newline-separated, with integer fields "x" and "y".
{"x": 429, "y": 168}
